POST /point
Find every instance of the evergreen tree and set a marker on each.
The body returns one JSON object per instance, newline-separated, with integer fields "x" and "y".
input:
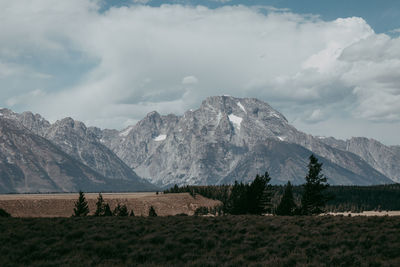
{"x": 259, "y": 195}
{"x": 237, "y": 203}
{"x": 107, "y": 210}
{"x": 287, "y": 206}
{"x": 254, "y": 198}
{"x": 131, "y": 214}
{"x": 152, "y": 212}
{"x": 81, "y": 206}
{"x": 100, "y": 205}
{"x": 313, "y": 200}
{"x": 120, "y": 210}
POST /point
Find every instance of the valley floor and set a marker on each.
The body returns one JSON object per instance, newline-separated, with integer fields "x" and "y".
{"x": 62, "y": 204}
{"x": 201, "y": 241}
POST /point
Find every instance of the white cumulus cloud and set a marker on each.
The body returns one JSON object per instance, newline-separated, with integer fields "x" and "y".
{"x": 111, "y": 68}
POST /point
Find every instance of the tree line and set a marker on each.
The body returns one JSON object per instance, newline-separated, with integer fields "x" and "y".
{"x": 257, "y": 197}
{"x": 103, "y": 209}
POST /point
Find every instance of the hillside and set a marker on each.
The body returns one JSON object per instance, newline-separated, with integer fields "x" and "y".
{"x": 31, "y": 163}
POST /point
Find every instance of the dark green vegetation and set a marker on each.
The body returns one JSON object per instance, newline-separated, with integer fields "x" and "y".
{"x": 360, "y": 198}
{"x": 287, "y": 206}
{"x": 81, "y": 206}
{"x": 313, "y": 199}
{"x": 346, "y": 198}
{"x": 4, "y": 213}
{"x": 103, "y": 209}
{"x": 152, "y": 212}
{"x": 240, "y": 198}
{"x": 255, "y": 197}
{"x": 201, "y": 241}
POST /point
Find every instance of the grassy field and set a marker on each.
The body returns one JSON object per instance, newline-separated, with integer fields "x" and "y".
{"x": 201, "y": 241}
{"x": 62, "y": 205}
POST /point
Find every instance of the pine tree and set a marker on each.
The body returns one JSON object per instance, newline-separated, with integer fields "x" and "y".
{"x": 313, "y": 200}
{"x": 107, "y": 210}
{"x": 152, "y": 212}
{"x": 131, "y": 214}
{"x": 258, "y": 195}
{"x": 254, "y": 198}
{"x": 287, "y": 206}
{"x": 99, "y": 206}
{"x": 120, "y": 210}
{"x": 81, "y": 206}
{"x": 237, "y": 202}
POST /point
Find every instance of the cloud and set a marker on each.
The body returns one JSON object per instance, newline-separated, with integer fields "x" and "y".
{"x": 221, "y": 1}
{"x": 11, "y": 102}
{"x": 395, "y": 30}
{"x": 374, "y": 75}
{"x": 141, "y": 1}
{"x": 315, "y": 116}
{"x": 130, "y": 60}
{"x": 190, "y": 80}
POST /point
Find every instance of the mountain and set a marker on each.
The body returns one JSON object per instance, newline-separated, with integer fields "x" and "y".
{"x": 224, "y": 140}
{"x": 383, "y": 158}
{"x": 30, "y": 163}
{"x": 229, "y": 139}
{"x": 81, "y": 146}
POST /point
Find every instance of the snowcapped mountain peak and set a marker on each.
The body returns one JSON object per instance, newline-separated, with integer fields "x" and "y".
{"x": 224, "y": 140}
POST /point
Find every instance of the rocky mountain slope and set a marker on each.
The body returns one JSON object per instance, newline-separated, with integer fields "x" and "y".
{"x": 226, "y": 139}
{"x": 73, "y": 139}
{"x": 229, "y": 139}
{"x": 30, "y": 163}
{"x": 383, "y": 158}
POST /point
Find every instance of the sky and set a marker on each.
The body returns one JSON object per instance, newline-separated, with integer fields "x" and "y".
{"x": 331, "y": 67}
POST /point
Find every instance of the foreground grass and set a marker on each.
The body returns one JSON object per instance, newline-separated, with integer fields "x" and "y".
{"x": 201, "y": 241}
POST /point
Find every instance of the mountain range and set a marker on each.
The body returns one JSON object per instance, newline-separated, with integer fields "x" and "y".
{"x": 224, "y": 140}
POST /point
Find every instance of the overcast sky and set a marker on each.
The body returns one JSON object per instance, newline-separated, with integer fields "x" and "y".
{"x": 331, "y": 69}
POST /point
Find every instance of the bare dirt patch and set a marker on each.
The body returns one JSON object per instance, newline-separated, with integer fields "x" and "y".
{"x": 62, "y": 205}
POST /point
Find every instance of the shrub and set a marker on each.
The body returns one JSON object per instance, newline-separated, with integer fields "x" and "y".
{"x": 152, "y": 212}
{"x": 201, "y": 211}
{"x": 4, "y": 213}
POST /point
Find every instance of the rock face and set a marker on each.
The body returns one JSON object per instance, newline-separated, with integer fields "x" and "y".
{"x": 75, "y": 140}
{"x": 383, "y": 158}
{"x": 229, "y": 139}
{"x": 226, "y": 139}
{"x": 30, "y": 163}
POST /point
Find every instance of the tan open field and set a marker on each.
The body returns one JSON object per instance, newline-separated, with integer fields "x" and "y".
{"x": 367, "y": 213}
{"x": 62, "y": 205}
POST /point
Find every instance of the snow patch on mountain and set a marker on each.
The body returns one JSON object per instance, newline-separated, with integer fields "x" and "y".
{"x": 273, "y": 114}
{"x": 235, "y": 120}
{"x": 125, "y": 132}
{"x": 161, "y": 137}
{"x": 241, "y": 106}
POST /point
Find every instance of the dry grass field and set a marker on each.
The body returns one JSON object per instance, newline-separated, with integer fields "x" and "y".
{"x": 62, "y": 205}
